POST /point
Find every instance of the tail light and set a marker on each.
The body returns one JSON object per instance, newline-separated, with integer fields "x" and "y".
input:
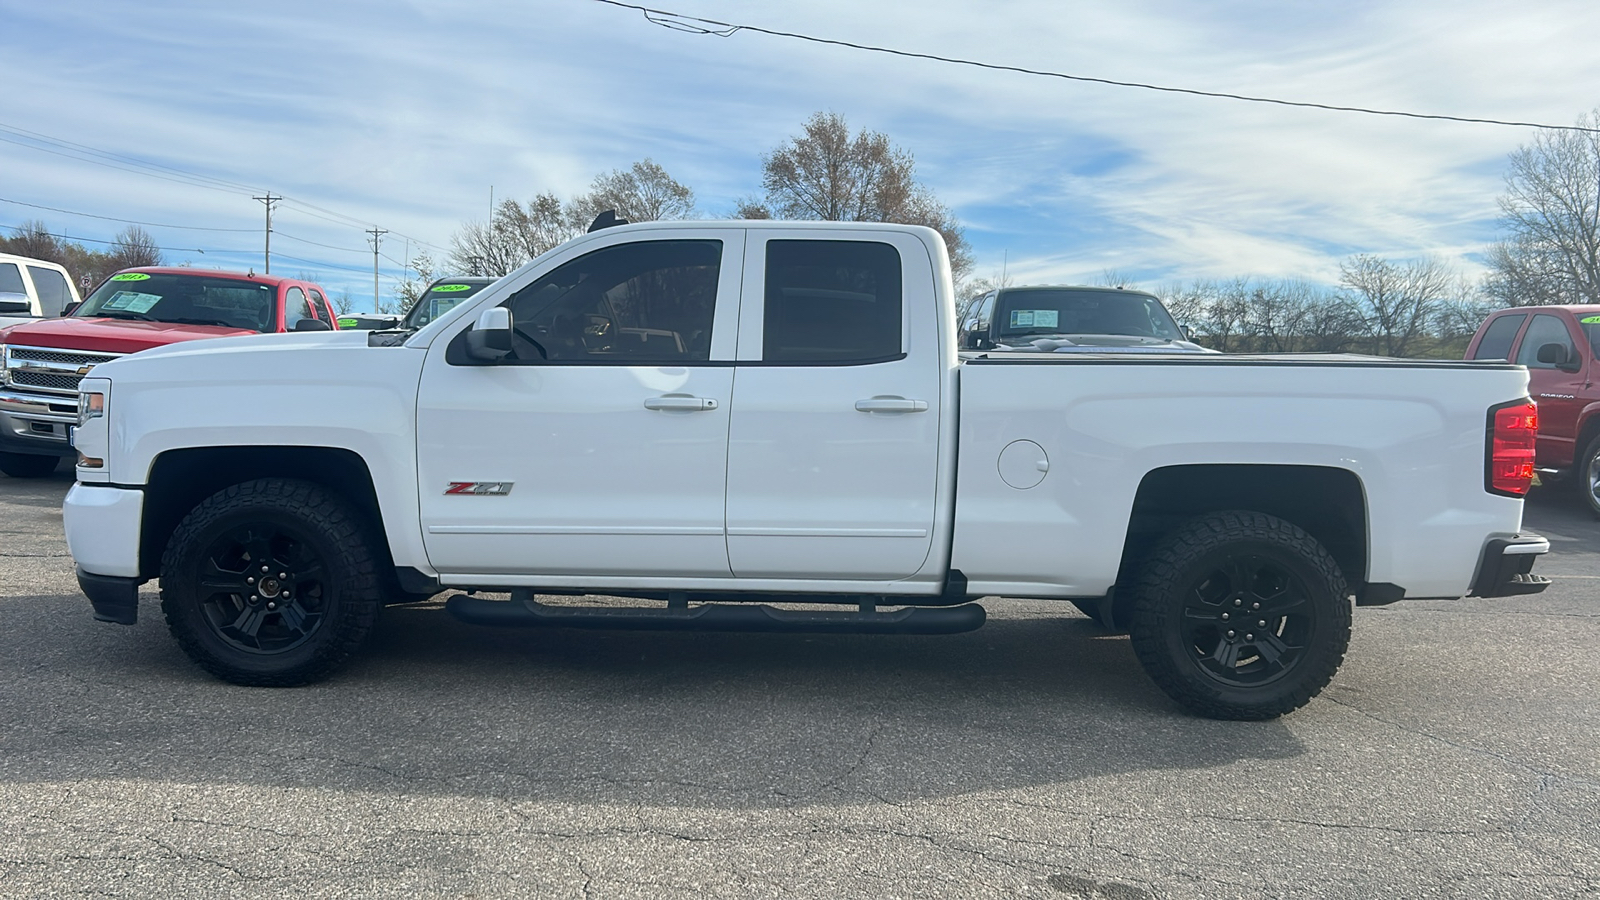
{"x": 1513, "y": 432}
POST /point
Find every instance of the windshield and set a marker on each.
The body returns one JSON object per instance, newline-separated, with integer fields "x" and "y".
{"x": 1069, "y": 311}
{"x": 189, "y": 299}
{"x": 439, "y": 299}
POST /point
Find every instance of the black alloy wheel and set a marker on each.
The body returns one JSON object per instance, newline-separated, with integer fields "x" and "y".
{"x": 271, "y": 582}
{"x": 263, "y": 587}
{"x": 1588, "y": 466}
{"x": 1241, "y": 615}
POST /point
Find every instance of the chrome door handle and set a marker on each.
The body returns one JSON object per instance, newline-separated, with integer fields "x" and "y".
{"x": 891, "y": 404}
{"x": 680, "y": 402}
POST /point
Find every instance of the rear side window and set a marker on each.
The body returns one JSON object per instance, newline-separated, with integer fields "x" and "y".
{"x": 295, "y": 308}
{"x": 1544, "y": 330}
{"x": 1496, "y": 343}
{"x": 54, "y": 292}
{"x": 832, "y": 302}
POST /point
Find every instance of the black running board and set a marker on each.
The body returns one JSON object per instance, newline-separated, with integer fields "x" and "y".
{"x": 718, "y": 617}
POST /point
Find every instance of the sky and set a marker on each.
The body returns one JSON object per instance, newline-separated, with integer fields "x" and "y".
{"x": 405, "y": 116}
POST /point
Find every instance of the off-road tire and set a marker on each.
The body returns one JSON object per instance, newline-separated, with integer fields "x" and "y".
{"x": 28, "y": 465}
{"x": 1199, "y": 579}
{"x": 323, "y": 610}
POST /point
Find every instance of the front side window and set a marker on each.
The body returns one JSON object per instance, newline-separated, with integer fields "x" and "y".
{"x": 1590, "y": 326}
{"x": 190, "y": 299}
{"x": 13, "y": 293}
{"x": 1496, "y": 342}
{"x": 637, "y": 303}
{"x": 54, "y": 293}
{"x": 1544, "y": 330}
{"x": 832, "y": 302}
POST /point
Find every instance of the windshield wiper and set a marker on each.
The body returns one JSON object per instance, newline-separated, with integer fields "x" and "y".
{"x": 122, "y": 314}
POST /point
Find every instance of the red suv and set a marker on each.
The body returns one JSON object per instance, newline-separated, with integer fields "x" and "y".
{"x": 42, "y": 361}
{"x": 1558, "y": 344}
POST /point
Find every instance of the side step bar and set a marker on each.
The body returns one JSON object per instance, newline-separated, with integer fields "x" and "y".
{"x": 525, "y": 612}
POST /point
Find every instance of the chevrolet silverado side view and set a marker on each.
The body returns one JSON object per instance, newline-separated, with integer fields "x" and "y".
{"x": 708, "y": 418}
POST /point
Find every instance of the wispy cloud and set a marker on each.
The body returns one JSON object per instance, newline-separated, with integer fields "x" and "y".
{"x": 404, "y": 115}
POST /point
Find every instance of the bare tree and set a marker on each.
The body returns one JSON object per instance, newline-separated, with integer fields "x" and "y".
{"x": 1551, "y": 210}
{"x": 134, "y": 247}
{"x": 825, "y": 173}
{"x": 517, "y": 234}
{"x": 410, "y": 290}
{"x": 641, "y": 193}
{"x": 1397, "y": 300}
{"x": 33, "y": 238}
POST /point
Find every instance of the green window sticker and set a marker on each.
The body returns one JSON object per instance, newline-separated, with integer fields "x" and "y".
{"x": 440, "y": 289}
{"x": 348, "y": 323}
{"x": 1590, "y": 320}
{"x": 131, "y": 276}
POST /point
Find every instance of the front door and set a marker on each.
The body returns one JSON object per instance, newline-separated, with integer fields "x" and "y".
{"x": 599, "y": 446}
{"x": 1555, "y": 390}
{"x": 834, "y": 442}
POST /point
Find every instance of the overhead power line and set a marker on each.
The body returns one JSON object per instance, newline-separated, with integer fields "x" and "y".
{"x": 695, "y": 25}
{"x": 115, "y": 219}
{"x": 45, "y": 143}
{"x": 67, "y": 237}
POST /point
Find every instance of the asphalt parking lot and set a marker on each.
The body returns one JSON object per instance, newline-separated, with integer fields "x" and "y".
{"x": 1457, "y": 754}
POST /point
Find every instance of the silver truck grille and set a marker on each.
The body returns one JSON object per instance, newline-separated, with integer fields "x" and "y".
{"x": 50, "y": 373}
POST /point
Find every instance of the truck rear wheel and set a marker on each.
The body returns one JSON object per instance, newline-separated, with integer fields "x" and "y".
{"x": 1589, "y": 475}
{"x": 27, "y": 465}
{"x": 271, "y": 583}
{"x": 1240, "y": 615}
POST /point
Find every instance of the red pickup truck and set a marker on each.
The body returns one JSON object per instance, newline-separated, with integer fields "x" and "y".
{"x": 42, "y": 362}
{"x": 1560, "y": 345}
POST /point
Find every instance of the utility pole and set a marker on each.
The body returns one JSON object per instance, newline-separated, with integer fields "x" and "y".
{"x": 377, "y": 236}
{"x": 269, "y": 200}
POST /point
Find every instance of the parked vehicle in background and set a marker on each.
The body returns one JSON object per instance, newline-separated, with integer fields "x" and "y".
{"x": 32, "y": 289}
{"x": 1071, "y": 319}
{"x": 367, "y": 321}
{"x": 42, "y": 361}
{"x": 442, "y": 296}
{"x": 710, "y": 416}
{"x": 435, "y": 300}
{"x": 1559, "y": 346}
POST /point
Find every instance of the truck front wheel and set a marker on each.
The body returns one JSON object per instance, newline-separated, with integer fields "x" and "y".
{"x": 271, "y": 583}
{"x": 1589, "y": 475}
{"x": 1240, "y": 615}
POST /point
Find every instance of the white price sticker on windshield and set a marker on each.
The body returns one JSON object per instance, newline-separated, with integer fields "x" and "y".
{"x": 1035, "y": 318}
{"x": 132, "y": 301}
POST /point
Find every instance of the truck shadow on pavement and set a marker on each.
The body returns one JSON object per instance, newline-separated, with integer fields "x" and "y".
{"x": 722, "y": 721}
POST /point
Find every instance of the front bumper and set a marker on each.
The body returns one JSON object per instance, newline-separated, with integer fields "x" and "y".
{"x": 102, "y": 525}
{"x": 33, "y": 424}
{"x": 1506, "y": 567}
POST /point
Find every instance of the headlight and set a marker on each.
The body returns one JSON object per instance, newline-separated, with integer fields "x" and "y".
{"x": 90, "y": 406}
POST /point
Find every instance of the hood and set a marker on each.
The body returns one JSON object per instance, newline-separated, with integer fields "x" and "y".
{"x": 112, "y": 335}
{"x": 1100, "y": 343}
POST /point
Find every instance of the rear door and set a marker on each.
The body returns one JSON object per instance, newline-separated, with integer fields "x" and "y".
{"x": 833, "y": 444}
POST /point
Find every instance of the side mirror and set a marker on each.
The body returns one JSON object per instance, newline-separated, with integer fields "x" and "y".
{"x": 311, "y": 325}
{"x": 490, "y": 338}
{"x": 71, "y": 308}
{"x": 1556, "y": 355}
{"x": 1188, "y": 332}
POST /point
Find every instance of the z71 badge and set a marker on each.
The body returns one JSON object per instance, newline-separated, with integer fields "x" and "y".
{"x": 480, "y": 488}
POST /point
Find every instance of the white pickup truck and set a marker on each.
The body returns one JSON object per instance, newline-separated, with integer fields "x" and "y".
{"x": 709, "y": 418}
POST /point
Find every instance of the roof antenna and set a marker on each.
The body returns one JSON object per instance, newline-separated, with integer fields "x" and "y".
{"x": 607, "y": 219}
